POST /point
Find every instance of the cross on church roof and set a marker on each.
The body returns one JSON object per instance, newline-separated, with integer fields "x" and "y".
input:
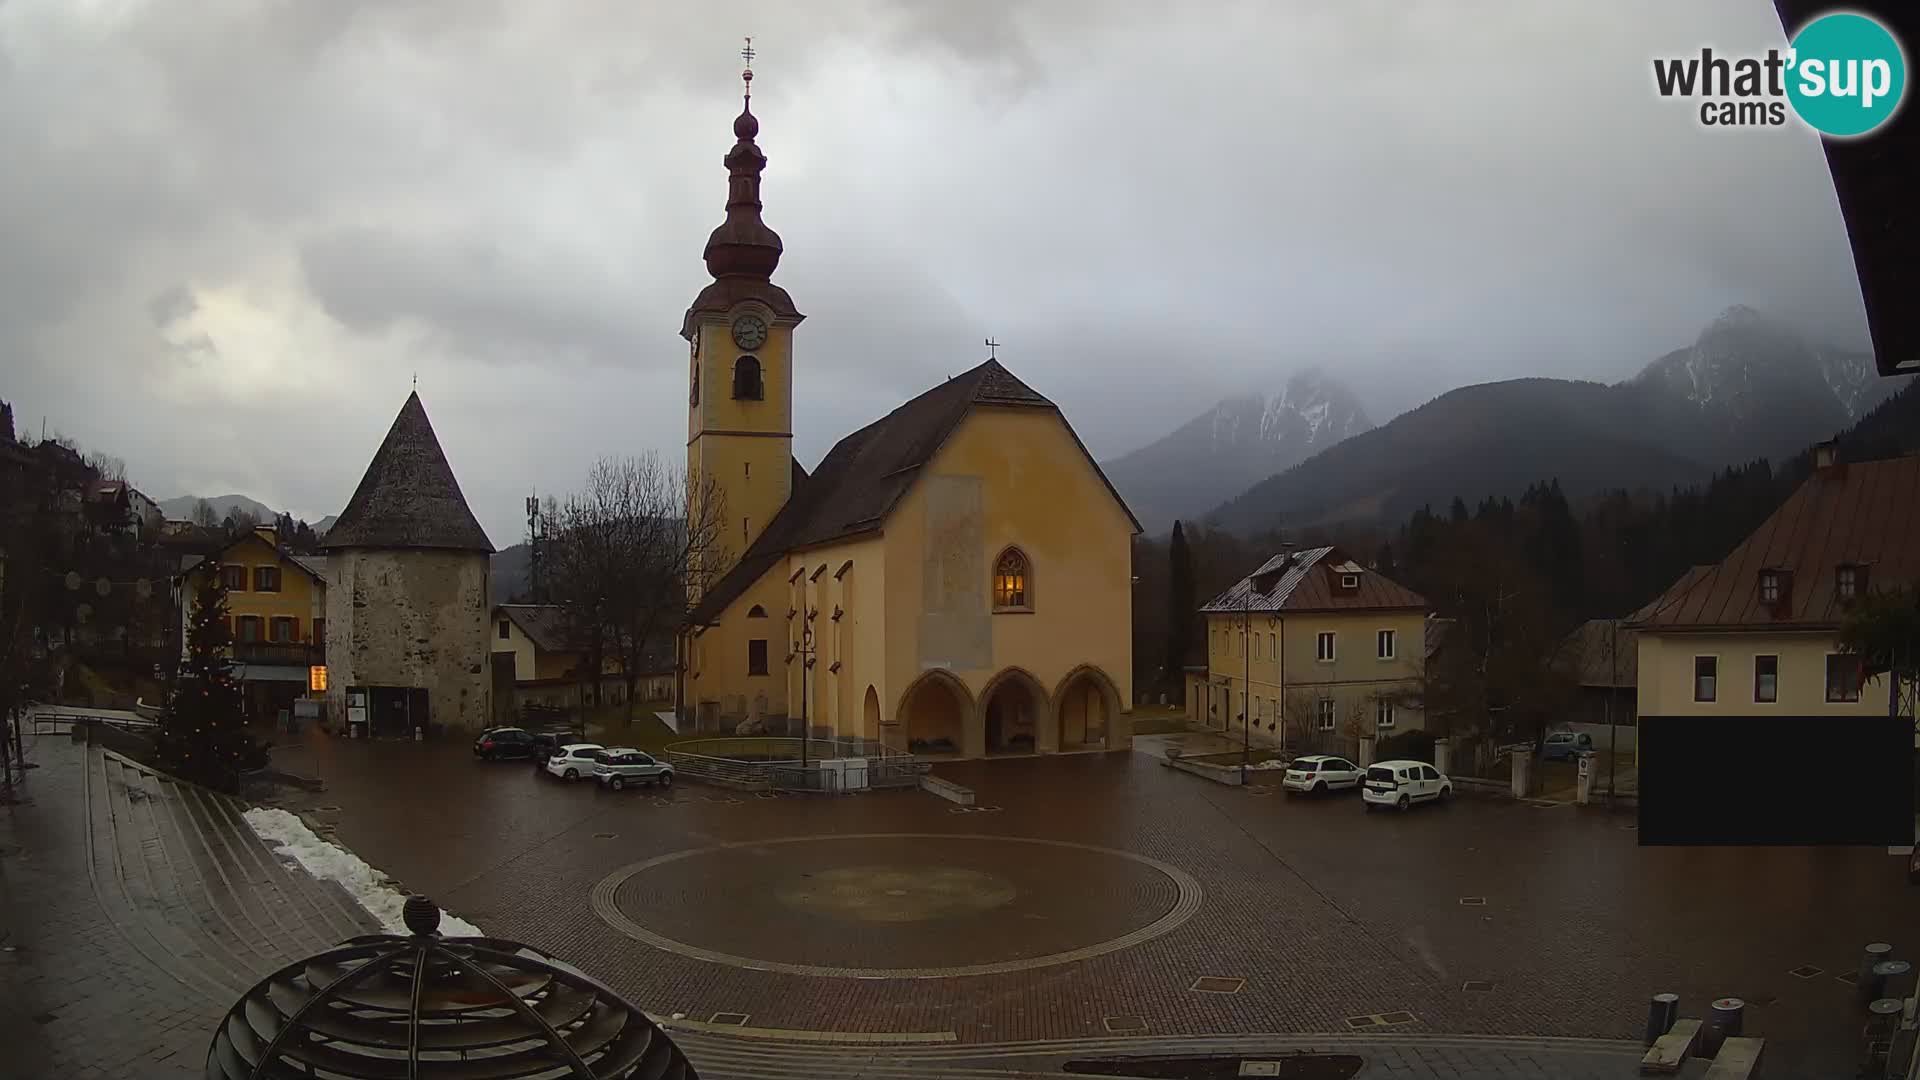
{"x": 746, "y": 76}
{"x": 993, "y": 349}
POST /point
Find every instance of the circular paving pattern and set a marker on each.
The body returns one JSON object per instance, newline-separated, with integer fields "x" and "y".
{"x": 896, "y": 905}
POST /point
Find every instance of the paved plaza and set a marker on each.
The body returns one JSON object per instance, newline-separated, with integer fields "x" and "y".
{"x": 1088, "y": 906}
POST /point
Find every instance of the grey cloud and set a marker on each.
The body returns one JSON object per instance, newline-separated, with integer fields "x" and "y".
{"x": 1153, "y": 204}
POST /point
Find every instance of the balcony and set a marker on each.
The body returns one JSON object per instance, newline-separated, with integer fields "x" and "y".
{"x": 284, "y": 653}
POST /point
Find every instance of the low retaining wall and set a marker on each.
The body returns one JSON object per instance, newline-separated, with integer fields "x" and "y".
{"x": 947, "y": 790}
{"x": 1219, "y": 774}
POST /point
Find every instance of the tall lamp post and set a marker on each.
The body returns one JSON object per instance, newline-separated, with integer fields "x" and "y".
{"x": 804, "y": 650}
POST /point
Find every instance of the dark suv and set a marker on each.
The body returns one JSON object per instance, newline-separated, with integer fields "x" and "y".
{"x": 503, "y": 742}
{"x": 547, "y": 740}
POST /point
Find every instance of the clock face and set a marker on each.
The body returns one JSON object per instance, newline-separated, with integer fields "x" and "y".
{"x": 749, "y": 332}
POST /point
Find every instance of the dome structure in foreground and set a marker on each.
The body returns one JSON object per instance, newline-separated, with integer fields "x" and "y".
{"x": 421, "y": 1005}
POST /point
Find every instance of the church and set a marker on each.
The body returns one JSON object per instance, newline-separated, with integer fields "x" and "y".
{"x": 954, "y": 578}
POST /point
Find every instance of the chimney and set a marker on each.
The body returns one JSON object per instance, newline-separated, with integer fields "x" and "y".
{"x": 1823, "y": 454}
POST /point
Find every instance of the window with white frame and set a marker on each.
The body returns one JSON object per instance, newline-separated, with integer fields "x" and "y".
{"x": 1383, "y": 644}
{"x": 1323, "y": 646}
{"x": 1383, "y": 713}
{"x": 1323, "y": 714}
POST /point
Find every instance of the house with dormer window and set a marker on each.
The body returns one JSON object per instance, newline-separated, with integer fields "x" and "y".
{"x": 1313, "y": 651}
{"x": 1756, "y": 632}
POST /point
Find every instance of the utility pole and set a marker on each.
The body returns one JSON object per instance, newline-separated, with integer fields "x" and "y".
{"x": 1613, "y": 680}
{"x": 1246, "y": 682}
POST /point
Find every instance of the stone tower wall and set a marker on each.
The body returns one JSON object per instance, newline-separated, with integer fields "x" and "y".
{"x": 412, "y": 617}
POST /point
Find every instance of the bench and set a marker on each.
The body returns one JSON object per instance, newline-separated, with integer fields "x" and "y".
{"x": 1671, "y": 1051}
{"x": 1737, "y": 1059}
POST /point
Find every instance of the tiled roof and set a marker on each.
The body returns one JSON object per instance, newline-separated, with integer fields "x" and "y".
{"x": 1438, "y": 631}
{"x": 865, "y": 475}
{"x": 1602, "y": 652}
{"x": 315, "y": 566}
{"x": 1308, "y": 580}
{"x": 408, "y": 497}
{"x": 1864, "y": 514}
{"x": 545, "y": 624}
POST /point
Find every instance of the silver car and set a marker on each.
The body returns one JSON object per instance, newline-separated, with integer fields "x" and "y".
{"x": 624, "y": 765}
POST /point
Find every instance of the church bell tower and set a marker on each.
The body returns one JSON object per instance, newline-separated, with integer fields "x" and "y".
{"x": 739, "y": 333}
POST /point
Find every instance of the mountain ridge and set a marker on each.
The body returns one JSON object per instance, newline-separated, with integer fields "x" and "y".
{"x": 1748, "y": 387}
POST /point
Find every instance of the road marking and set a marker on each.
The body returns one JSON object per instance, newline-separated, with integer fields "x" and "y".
{"x": 803, "y": 1034}
{"x": 731, "y": 1019}
{"x": 1478, "y": 986}
{"x": 1473, "y": 901}
{"x": 1806, "y": 971}
{"x": 1124, "y": 1023}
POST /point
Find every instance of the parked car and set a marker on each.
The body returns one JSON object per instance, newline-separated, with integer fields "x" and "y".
{"x": 574, "y": 760}
{"x": 1562, "y": 745}
{"x": 1400, "y": 784}
{"x": 548, "y": 740}
{"x": 1319, "y": 774}
{"x": 503, "y": 742}
{"x": 624, "y": 765}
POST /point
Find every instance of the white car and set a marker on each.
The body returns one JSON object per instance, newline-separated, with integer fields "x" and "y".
{"x": 1402, "y": 783}
{"x": 624, "y": 765}
{"x": 1319, "y": 774}
{"x": 574, "y": 760}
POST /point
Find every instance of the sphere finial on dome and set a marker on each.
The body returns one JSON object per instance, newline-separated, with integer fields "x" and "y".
{"x": 420, "y": 915}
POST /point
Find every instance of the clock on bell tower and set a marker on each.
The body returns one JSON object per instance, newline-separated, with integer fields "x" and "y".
{"x": 739, "y": 333}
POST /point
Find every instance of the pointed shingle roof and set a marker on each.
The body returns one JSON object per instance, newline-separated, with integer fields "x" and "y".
{"x": 408, "y": 497}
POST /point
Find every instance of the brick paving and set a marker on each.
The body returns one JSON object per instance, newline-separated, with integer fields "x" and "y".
{"x": 1326, "y": 913}
{"x": 133, "y": 912}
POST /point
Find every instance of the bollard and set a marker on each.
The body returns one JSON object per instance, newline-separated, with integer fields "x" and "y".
{"x": 1661, "y": 1013}
{"x": 1863, "y": 980}
{"x": 1893, "y": 979}
{"x": 1721, "y": 1024}
{"x": 1883, "y": 1022}
{"x": 1522, "y": 775}
{"x": 419, "y": 734}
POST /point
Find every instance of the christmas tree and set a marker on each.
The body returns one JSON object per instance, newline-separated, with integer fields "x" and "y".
{"x": 202, "y": 737}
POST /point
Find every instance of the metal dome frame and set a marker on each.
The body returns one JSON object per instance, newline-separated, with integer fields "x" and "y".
{"x": 488, "y": 1008}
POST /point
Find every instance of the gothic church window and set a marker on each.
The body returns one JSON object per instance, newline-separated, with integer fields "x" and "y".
{"x": 1010, "y": 582}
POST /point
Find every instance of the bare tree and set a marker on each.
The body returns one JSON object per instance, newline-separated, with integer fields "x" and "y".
{"x": 624, "y": 557}
{"x": 109, "y": 467}
{"x": 204, "y": 515}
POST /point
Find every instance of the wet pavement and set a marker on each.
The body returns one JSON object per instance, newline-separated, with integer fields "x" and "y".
{"x": 1483, "y": 917}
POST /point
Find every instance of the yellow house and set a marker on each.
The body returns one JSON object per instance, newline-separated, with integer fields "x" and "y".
{"x": 953, "y": 578}
{"x": 1315, "y": 651}
{"x": 1755, "y": 633}
{"x": 276, "y": 616}
{"x": 537, "y": 662}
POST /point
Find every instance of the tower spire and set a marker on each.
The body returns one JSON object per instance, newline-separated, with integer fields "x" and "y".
{"x": 743, "y": 246}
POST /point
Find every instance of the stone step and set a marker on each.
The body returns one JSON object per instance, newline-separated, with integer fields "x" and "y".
{"x": 109, "y": 876}
{"x": 332, "y": 913}
{"x": 190, "y": 902}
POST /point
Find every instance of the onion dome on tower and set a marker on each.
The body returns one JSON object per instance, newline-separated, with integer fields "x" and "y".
{"x": 742, "y": 253}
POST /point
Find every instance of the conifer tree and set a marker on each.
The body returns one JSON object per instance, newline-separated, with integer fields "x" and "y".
{"x": 1182, "y": 609}
{"x": 202, "y": 735}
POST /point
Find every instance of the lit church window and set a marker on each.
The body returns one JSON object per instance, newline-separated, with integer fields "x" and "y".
{"x": 1010, "y": 580}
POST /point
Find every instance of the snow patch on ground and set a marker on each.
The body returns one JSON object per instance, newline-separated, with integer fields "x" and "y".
{"x": 331, "y": 862}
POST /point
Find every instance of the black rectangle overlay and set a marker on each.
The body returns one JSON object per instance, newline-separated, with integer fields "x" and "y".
{"x": 1776, "y": 780}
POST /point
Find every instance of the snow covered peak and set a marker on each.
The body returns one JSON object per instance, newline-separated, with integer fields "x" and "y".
{"x": 1311, "y": 412}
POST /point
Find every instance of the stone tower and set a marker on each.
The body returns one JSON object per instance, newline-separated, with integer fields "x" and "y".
{"x": 407, "y": 592}
{"x": 740, "y": 333}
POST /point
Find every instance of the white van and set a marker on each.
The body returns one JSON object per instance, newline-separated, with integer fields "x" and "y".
{"x": 1400, "y": 784}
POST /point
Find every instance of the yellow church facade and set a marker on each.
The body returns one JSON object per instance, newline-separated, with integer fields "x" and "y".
{"x": 952, "y": 579}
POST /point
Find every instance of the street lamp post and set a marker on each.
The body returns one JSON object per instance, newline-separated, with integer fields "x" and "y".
{"x": 805, "y": 651}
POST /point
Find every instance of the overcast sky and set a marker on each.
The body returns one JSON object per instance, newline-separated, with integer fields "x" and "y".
{"x": 231, "y": 233}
